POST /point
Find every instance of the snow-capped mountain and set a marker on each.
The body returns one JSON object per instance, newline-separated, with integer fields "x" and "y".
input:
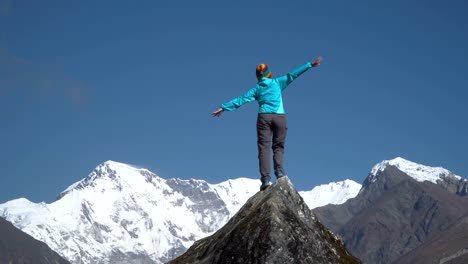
{"x": 418, "y": 172}
{"x": 119, "y": 211}
{"x": 401, "y": 207}
{"x": 123, "y": 214}
{"x": 332, "y": 193}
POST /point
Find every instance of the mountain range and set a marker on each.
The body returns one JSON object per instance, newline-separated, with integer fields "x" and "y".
{"x": 403, "y": 212}
{"x": 123, "y": 214}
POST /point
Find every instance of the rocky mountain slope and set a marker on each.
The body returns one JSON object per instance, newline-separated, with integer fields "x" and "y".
{"x": 449, "y": 246}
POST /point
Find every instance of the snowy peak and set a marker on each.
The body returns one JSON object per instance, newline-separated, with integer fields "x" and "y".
{"x": 332, "y": 193}
{"x": 113, "y": 174}
{"x": 416, "y": 171}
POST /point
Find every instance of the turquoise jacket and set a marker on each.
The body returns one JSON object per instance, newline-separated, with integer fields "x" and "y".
{"x": 268, "y": 93}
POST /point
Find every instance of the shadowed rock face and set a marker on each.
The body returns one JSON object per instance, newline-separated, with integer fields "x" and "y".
{"x": 449, "y": 247}
{"x": 274, "y": 226}
{"x": 20, "y": 248}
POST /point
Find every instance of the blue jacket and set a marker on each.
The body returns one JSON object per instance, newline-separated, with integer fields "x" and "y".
{"x": 268, "y": 93}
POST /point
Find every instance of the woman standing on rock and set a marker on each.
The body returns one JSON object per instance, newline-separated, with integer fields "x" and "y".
{"x": 271, "y": 121}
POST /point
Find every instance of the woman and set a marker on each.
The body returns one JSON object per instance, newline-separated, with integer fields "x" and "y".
{"x": 271, "y": 122}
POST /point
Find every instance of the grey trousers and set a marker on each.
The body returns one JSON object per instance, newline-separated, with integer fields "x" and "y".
{"x": 271, "y": 128}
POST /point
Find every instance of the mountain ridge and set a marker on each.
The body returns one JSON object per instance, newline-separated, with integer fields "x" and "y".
{"x": 416, "y": 171}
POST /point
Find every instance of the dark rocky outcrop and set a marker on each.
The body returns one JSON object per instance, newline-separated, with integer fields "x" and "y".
{"x": 393, "y": 215}
{"x": 20, "y": 248}
{"x": 274, "y": 226}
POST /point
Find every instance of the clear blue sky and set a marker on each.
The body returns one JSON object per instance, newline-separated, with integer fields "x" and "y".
{"x": 82, "y": 82}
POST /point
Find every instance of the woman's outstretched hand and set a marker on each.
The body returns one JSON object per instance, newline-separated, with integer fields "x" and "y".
{"x": 317, "y": 62}
{"x": 218, "y": 112}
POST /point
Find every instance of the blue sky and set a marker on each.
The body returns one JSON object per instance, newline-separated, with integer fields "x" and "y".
{"x": 82, "y": 82}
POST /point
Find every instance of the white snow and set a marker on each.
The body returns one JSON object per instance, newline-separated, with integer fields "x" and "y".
{"x": 236, "y": 192}
{"x": 332, "y": 193}
{"x": 419, "y": 172}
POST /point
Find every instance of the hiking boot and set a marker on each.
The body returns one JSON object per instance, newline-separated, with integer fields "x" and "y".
{"x": 279, "y": 174}
{"x": 265, "y": 184}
